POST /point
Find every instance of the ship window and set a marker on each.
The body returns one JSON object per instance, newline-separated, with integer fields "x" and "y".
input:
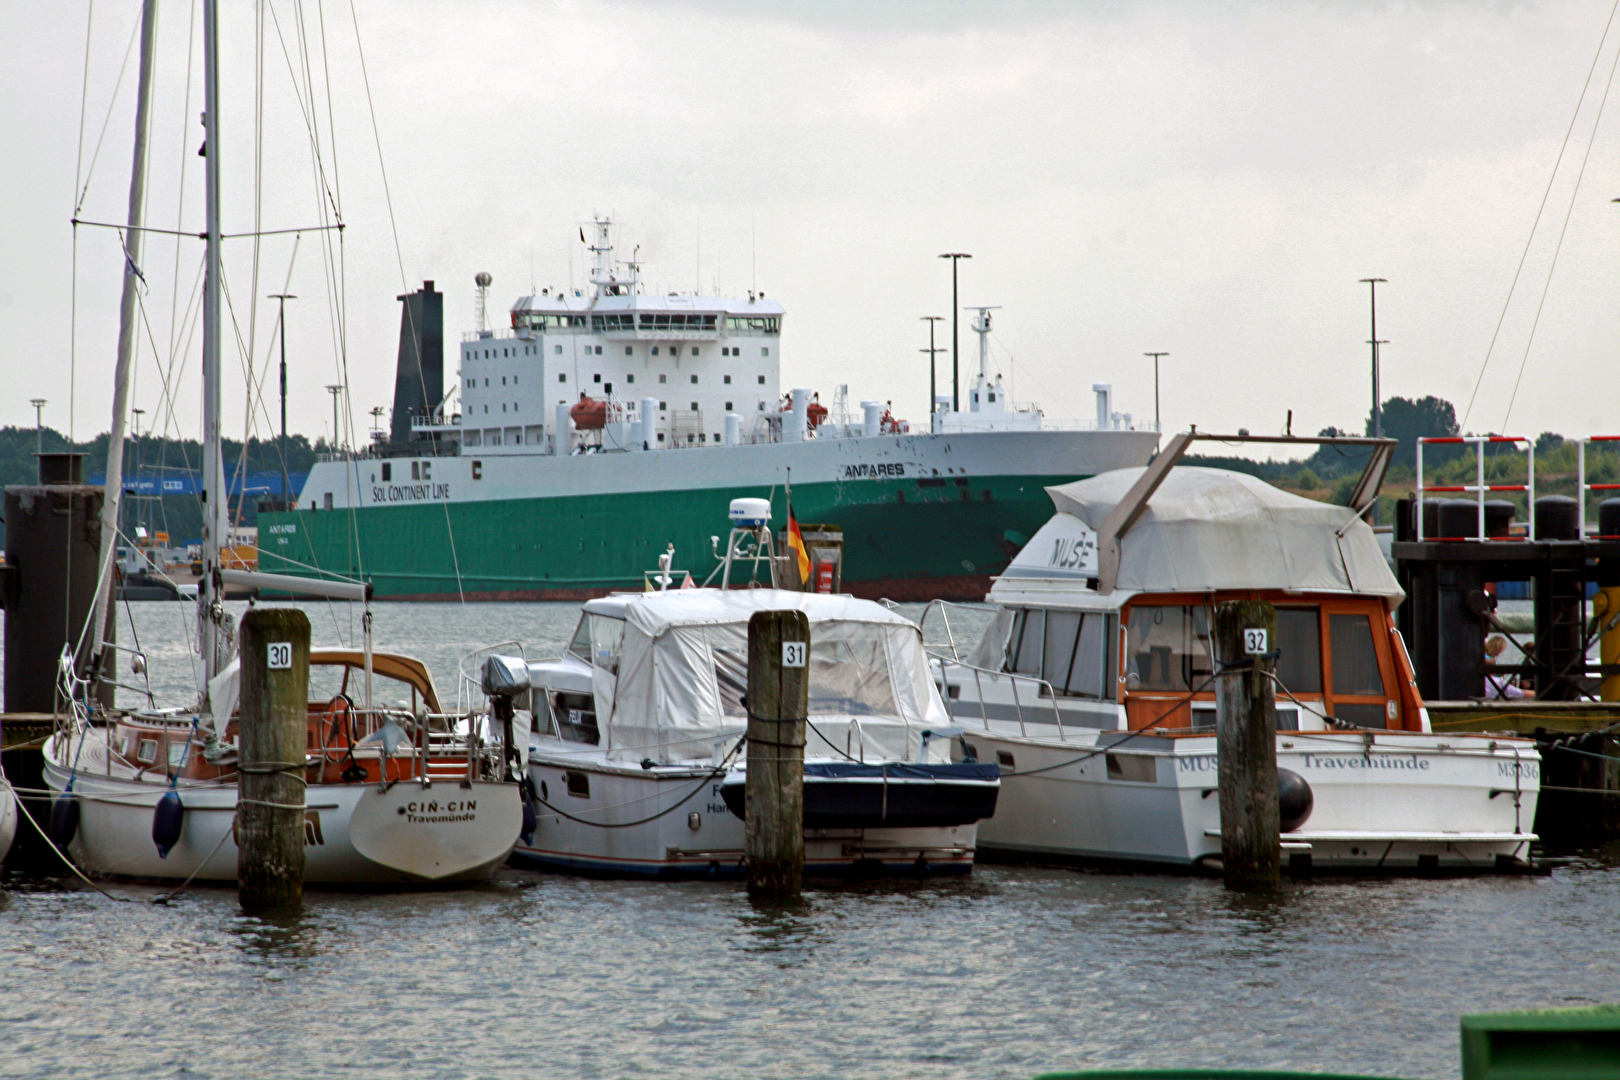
{"x": 579, "y": 784}
{"x": 416, "y": 470}
{"x": 559, "y": 350}
{"x": 387, "y": 471}
{"x": 663, "y": 378}
{"x": 486, "y": 381}
{"x": 728, "y": 406}
{"x": 694, "y": 350}
{"x": 597, "y": 377}
{"x": 599, "y": 350}
{"x": 328, "y": 502}
{"x": 765, "y": 351}
{"x": 575, "y": 716}
{"x": 1170, "y": 646}
{"x": 177, "y": 753}
{"x": 608, "y": 387}
{"x": 762, "y": 380}
{"x": 630, "y": 378}
{"x": 727, "y": 380}
{"x": 694, "y": 406}
{"x": 503, "y": 380}
{"x": 514, "y": 380}
{"x": 1355, "y": 660}
{"x": 1299, "y": 639}
{"x": 992, "y": 395}
{"x": 660, "y": 436}
{"x": 628, "y": 351}
{"x": 694, "y": 380}
{"x": 655, "y": 350}
{"x": 562, "y": 376}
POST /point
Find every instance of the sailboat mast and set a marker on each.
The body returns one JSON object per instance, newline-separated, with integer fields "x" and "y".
{"x": 126, "y": 335}
{"x": 210, "y": 590}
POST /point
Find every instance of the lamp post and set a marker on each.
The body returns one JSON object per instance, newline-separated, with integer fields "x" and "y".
{"x": 281, "y": 329}
{"x": 334, "y": 389}
{"x": 956, "y": 332}
{"x": 933, "y": 382}
{"x": 1156, "y": 356}
{"x": 1372, "y": 284}
{"x": 1378, "y": 410}
{"x": 39, "y": 424}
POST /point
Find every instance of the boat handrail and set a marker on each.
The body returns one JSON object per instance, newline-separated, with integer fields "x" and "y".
{"x": 945, "y": 618}
{"x": 1013, "y": 677}
{"x": 470, "y": 684}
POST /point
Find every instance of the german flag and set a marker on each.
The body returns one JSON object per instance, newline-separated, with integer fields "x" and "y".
{"x": 795, "y": 540}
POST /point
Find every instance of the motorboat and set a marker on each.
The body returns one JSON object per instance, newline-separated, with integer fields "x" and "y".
{"x": 636, "y": 756}
{"x": 397, "y": 794}
{"x": 1093, "y": 687}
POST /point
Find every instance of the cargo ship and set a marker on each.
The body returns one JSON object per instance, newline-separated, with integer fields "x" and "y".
{"x": 607, "y": 423}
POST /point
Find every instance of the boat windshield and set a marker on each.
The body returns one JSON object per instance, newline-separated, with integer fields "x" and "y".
{"x": 849, "y": 672}
{"x": 1169, "y": 646}
{"x": 598, "y": 640}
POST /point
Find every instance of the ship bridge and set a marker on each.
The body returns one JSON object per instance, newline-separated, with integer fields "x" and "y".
{"x": 689, "y": 361}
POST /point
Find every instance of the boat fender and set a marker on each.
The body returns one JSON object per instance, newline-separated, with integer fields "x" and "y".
{"x": 167, "y": 821}
{"x": 530, "y": 819}
{"x": 64, "y": 819}
{"x": 1295, "y": 800}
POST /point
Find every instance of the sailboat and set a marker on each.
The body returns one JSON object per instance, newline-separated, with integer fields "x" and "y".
{"x": 396, "y": 794}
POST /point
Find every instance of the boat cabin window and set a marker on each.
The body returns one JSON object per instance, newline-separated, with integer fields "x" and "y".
{"x": 147, "y": 751}
{"x": 1299, "y": 637}
{"x": 1169, "y": 646}
{"x": 849, "y": 676}
{"x": 1071, "y": 650}
{"x": 849, "y": 673}
{"x": 575, "y": 716}
{"x": 1354, "y": 658}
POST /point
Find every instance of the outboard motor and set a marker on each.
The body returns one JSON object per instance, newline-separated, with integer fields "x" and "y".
{"x": 504, "y": 678}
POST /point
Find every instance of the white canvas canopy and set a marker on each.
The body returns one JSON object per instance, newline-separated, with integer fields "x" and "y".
{"x": 683, "y": 671}
{"x": 1207, "y": 529}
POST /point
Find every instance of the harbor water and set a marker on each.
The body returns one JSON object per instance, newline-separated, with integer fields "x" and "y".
{"x": 1007, "y": 973}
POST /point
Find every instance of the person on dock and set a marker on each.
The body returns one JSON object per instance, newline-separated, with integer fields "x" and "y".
{"x": 1499, "y": 687}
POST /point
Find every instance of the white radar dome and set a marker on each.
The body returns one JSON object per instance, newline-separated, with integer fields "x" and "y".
{"x": 750, "y": 513}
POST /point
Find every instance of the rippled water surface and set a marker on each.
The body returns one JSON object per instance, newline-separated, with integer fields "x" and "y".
{"x": 1005, "y": 974}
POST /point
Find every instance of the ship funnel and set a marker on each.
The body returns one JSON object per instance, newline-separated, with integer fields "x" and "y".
{"x": 750, "y": 513}
{"x": 1105, "y": 404}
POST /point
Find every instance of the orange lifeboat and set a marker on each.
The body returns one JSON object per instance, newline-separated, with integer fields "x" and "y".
{"x": 815, "y": 414}
{"x": 588, "y": 414}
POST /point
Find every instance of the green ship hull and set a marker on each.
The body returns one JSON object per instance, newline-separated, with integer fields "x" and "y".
{"x": 905, "y": 539}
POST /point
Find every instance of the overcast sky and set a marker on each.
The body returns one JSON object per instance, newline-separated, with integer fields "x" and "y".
{"x": 1209, "y": 180}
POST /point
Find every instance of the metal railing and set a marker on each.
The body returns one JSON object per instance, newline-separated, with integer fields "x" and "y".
{"x": 1013, "y": 678}
{"x": 1479, "y": 488}
{"x": 1582, "y": 487}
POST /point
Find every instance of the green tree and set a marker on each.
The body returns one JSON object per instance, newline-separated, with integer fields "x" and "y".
{"x": 1408, "y": 420}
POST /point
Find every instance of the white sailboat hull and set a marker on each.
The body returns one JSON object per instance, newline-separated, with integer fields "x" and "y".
{"x": 697, "y": 835}
{"x": 1389, "y": 802}
{"x": 8, "y": 817}
{"x": 354, "y": 834}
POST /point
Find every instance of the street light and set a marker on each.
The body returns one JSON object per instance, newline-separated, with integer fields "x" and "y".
{"x": 1372, "y": 284}
{"x": 281, "y": 329}
{"x": 933, "y": 383}
{"x": 956, "y": 333}
{"x": 39, "y": 424}
{"x": 1156, "y": 355}
{"x": 334, "y": 389}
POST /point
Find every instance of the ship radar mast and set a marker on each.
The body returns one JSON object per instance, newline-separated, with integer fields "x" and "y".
{"x": 981, "y": 326}
{"x": 483, "y": 280}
